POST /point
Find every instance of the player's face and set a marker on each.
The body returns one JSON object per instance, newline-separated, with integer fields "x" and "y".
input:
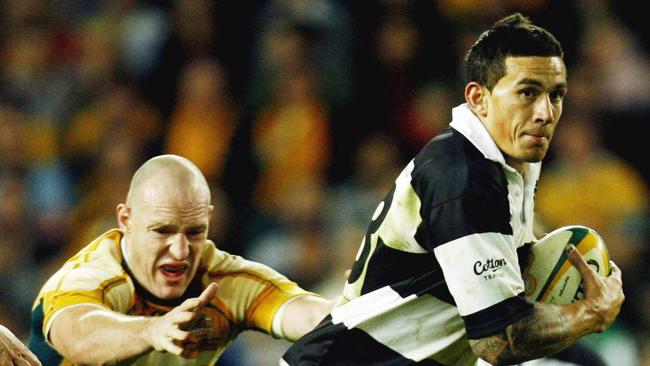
{"x": 524, "y": 107}
{"x": 165, "y": 238}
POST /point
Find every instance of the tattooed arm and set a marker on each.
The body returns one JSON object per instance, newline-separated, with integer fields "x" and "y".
{"x": 552, "y": 328}
{"x": 548, "y": 330}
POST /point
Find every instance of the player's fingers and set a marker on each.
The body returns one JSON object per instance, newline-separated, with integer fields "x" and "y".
{"x": 189, "y": 304}
{"x": 614, "y": 270}
{"x": 197, "y": 302}
{"x": 177, "y": 334}
{"x": 183, "y": 317}
{"x": 170, "y": 347}
{"x": 31, "y": 359}
{"x": 25, "y": 359}
{"x": 578, "y": 261}
{"x": 20, "y": 361}
{"x": 208, "y": 294}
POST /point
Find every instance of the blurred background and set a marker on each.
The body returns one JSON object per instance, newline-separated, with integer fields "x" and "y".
{"x": 300, "y": 113}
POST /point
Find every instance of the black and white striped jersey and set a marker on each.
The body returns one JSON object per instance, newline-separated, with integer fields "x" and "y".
{"x": 438, "y": 264}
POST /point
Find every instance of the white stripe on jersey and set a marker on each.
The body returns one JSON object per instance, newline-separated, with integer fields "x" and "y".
{"x": 480, "y": 270}
{"x": 402, "y": 221}
{"x": 368, "y": 306}
{"x": 415, "y": 327}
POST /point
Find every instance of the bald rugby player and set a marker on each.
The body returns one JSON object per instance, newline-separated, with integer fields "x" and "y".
{"x": 157, "y": 291}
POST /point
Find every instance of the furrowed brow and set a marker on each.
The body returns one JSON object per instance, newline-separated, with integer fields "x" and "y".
{"x": 529, "y": 81}
{"x": 201, "y": 227}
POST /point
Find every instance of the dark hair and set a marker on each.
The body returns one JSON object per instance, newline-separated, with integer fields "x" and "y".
{"x": 514, "y": 35}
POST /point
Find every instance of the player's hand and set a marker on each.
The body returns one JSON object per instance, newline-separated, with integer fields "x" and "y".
{"x": 605, "y": 294}
{"x": 167, "y": 333}
{"x": 13, "y": 351}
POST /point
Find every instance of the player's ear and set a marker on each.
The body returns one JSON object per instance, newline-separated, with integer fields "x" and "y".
{"x": 476, "y": 96}
{"x": 123, "y": 216}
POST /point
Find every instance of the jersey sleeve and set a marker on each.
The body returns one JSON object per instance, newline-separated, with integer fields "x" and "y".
{"x": 480, "y": 264}
{"x": 252, "y": 292}
{"x": 85, "y": 286}
{"x": 467, "y": 225}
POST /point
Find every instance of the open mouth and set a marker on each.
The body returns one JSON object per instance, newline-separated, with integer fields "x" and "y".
{"x": 173, "y": 271}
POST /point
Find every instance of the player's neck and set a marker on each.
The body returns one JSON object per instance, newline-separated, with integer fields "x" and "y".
{"x": 518, "y": 165}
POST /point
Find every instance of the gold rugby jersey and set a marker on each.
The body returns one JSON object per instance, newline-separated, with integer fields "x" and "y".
{"x": 248, "y": 297}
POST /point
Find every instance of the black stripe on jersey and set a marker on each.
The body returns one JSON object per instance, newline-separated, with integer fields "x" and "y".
{"x": 357, "y": 268}
{"x": 498, "y": 316}
{"x": 462, "y": 192}
{"x": 37, "y": 344}
{"x": 407, "y": 273}
{"x": 335, "y": 345}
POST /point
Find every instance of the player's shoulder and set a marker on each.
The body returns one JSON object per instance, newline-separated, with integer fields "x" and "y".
{"x": 103, "y": 253}
{"x": 453, "y": 167}
{"x": 95, "y": 264}
{"x": 219, "y": 264}
{"x": 243, "y": 283}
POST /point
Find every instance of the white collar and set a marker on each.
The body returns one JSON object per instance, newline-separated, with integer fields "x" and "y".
{"x": 123, "y": 248}
{"x": 470, "y": 126}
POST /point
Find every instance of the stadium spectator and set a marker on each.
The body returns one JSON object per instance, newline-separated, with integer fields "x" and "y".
{"x": 291, "y": 134}
{"x": 204, "y": 119}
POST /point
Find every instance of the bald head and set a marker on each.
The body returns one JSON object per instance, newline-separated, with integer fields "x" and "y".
{"x": 169, "y": 175}
{"x": 165, "y": 223}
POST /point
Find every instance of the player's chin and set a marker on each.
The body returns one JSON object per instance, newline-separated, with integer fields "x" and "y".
{"x": 535, "y": 155}
{"x": 171, "y": 294}
{"x": 170, "y": 291}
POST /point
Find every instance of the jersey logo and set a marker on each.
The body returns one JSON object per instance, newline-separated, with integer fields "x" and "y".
{"x": 491, "y": 265}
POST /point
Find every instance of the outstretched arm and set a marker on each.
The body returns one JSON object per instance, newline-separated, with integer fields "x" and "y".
{"x": 552, "y": 328}
{"x": 303, "y": 314}
{"x": 89, "y": 334}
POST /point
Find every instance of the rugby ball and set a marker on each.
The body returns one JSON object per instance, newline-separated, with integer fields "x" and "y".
{"x": 548, "y": 274}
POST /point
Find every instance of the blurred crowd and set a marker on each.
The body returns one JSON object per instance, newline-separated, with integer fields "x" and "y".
{"x": 300, "y": 113}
